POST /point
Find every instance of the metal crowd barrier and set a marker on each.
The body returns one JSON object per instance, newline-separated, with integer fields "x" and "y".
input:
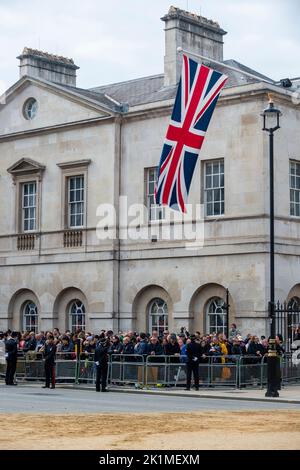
{"x": 164, "y": 371}
{"x": 86, "y": 372}
{"x": 159, "y": 371}
{"x": 290, "y": 369}
{"x": 126, "y": 369}
{"x": 214, "y": 371}
{"x": 224, "y": 371}
{"x": 252, "y": 371}
{"x": 31, "y": 367}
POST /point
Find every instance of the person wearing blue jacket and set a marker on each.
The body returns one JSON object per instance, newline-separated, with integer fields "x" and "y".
{"x": 183, "y": 354}
{"x": 141, "y": 348}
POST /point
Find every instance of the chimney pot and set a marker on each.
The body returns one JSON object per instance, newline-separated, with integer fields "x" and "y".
{"x": 54, "y": 68}
{"x": 191, "y": 32}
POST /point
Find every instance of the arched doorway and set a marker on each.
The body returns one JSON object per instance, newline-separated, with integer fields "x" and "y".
{"x": 208, "y": 309}
{"x": 24, "y": 311}
{"x": 71, "y": 310}
{"x": 152, "y": 309}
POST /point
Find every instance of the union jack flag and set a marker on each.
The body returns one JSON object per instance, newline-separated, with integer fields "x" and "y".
{"x": 197, "y": 95}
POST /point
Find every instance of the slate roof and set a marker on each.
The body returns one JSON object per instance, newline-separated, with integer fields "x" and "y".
{"x": 237, "y": 79}
{"x": 142, "y": 91}
{"x": 96, "y": 96}
{"x": 139, "y": 91}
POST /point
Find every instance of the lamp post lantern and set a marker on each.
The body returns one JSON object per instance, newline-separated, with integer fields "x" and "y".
{"x": 271, "y": 123}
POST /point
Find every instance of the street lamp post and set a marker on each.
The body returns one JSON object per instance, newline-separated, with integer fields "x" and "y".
{"x": 271, "y": 123}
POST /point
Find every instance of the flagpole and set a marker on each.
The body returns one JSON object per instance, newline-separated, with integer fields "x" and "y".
{"x": 222, "y": 64}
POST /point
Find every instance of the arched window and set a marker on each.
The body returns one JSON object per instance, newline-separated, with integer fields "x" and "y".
{"x": 77, "y": 315}
{"x": 158, "y": 316}
{"x": 30, "y": 317}
{"x": 216, "y": 316}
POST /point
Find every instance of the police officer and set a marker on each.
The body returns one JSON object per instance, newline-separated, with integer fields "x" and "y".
{"x": 11, "y": 353}
{"x": 193, "y": 352}
{"x": 49, "y": 350}
{"x": 101, "y": 362}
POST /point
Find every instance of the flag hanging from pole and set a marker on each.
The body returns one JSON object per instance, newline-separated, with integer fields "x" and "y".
{"x": 197, "y": 95}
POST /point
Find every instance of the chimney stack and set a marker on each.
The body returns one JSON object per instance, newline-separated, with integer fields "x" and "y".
{"x": 193, "y": 33}
{"x": 53, "y": 68}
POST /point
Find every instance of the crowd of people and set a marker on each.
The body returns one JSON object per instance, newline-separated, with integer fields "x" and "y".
{"x": 193, "y": 349}
{"x": 69, "y": 344}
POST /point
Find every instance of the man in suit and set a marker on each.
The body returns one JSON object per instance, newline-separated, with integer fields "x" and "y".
{"x": 49, "y": 351}
{"x": 193, "y": 352}
{"x": 11, "y": 353}
{"x": 101, "y": 362}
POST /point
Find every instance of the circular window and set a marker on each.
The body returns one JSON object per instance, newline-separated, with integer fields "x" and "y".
{"x": 30, "y": 108}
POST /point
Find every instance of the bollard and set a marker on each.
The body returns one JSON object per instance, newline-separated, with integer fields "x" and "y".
{"x": 273, "y": 371}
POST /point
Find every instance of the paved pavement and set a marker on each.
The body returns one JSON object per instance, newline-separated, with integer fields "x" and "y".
{"x": 290, "y": 394}
{"x": 34, "y": 399}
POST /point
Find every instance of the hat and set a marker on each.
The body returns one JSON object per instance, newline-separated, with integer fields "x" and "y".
{"x": 173, "y": 336}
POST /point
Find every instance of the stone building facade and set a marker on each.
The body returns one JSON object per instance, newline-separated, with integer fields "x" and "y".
{"x": 65, "y": 150}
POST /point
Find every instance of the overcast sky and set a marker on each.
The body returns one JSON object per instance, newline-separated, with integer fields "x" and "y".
{"x": 115, "y": 40}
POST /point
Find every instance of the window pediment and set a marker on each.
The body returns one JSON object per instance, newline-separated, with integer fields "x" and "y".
{"x": 26, "y": 166}
{"x": 74, "y": 164}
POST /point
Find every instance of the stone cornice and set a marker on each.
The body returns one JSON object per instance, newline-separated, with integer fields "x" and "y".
{"x": 209, "y": 220}
{"x": 229, "y": 95}
{"x": 163, "y": 108}
{"x": 74, "y": 164}
{"x": 56, "y": 128}
{"x": 58, "y": 89}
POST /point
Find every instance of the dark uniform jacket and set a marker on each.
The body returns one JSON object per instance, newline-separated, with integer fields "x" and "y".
{"x": 193, "y": 352}
{"x": 11, "y": 349}
{"x": 49, "y": 354}
{"x": 101, "y": 353}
